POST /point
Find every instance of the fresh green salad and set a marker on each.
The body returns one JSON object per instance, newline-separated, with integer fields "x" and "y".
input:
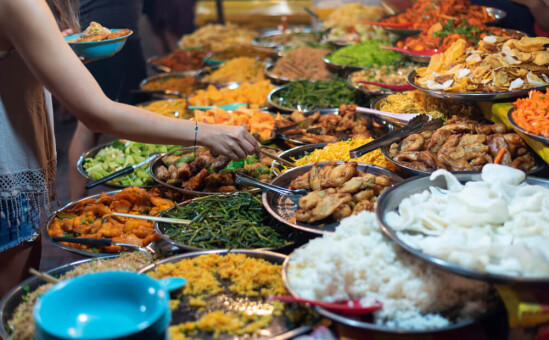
{"x": 122, "y": 154}
{"x": 366, "y": 53}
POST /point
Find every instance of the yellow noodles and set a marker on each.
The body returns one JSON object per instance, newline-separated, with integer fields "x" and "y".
{"x": 340, "y": 152}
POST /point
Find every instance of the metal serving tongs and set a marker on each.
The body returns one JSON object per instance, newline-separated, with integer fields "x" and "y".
{"x": 401, "y": 118}
{"x": 416, "y": 125}
{"x": 125, "y": 171}
{"x": 293, "y": 195}
{"x": 102, "y": 242}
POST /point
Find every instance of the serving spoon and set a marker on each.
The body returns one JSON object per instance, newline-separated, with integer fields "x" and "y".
{"x": 351, "y": 307}
{"x": 392, "y": 87}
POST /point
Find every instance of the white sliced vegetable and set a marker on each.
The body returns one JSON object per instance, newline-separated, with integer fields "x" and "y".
{"x": 507, "y": 50}
{"x": 516, "y": 84}
{"x": 490, "y": 39}
{"x": 434, "y": 86}
{"x": 534, "y": 80}
{"x": 464, "y": 72}
{"x": 510, "y": 60}
{"x": 473, "y": 58}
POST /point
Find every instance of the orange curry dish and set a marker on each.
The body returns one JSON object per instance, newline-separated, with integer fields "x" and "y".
{"x": 91, "y": 218}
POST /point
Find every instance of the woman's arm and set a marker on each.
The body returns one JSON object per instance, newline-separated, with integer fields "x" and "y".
{"x": 30, "y": 27}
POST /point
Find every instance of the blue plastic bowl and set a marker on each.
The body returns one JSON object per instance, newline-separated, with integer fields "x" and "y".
{"x": 106, "y": 305}
{"x": 97, "y": 49}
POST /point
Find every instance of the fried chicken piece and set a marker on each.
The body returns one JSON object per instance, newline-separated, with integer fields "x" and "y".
{"x": 470, "y": 138}
{"x": 356, "y": 184}
{"x": 459, "y": 127}
{"x": 363, "y": 195}
{"x": 427, "y": 134}
{"x": 197, "y": 181}
{"x": 311, "y": 200}
{"x": 297, "y": 116}
{"x": 517, "y": 146}
{"x": 328, "y": 205}
{"x": 342, "y": 173}
{"x": 413, "y": 142}
{"x": 344, "y": 211}
{"x": 451, "y": 142}
{"x": 525, "y": 163}
{"x": 301, "y": 182}
{"x": 423, "y": 157}
{"x": 303, "y": 215}
{"x": 324, "y": 174}
{"x": 452, "y": 164}
{"x": 468, "y": 151}
{"x": 496, "y": 142}
{"x": 478, "y": 162}
{"x": 314, "y": 179}
{"x": 364, "y": 205}
{"x": 438, "y": 139}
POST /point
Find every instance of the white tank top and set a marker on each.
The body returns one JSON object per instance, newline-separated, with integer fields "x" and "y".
{"x": 28, "y": 158}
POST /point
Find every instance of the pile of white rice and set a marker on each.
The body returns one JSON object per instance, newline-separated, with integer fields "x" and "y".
{"x": 358, "y": 262}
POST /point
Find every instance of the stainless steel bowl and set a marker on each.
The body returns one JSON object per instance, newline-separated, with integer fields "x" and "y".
{"x": 281, "y": 327}
{"x": 366, "y": 323}
{"x": 539, "y": 138}
{"x": 282, "y": 209}
{"x": 391, "y": 199}
{"x": 475, "y": 97}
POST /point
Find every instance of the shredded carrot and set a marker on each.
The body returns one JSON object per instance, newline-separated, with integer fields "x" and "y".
{"x": 532, "y": 113}
{"x": 500, "y": 155}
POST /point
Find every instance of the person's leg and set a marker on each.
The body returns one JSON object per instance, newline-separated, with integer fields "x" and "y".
{"x": 82, "y": 140}
{"x": 16, "y": 262}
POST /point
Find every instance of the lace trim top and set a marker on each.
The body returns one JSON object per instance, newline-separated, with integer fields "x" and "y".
{"x": 28, "y": 158}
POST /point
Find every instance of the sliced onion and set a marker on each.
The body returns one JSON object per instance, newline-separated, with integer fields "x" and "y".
{"x": 516, "y": 84}
{"x": 463, "y": 72}
{"x": 473, "y": 51}
{"x": 510, "y": 60}
{"x": 435, "y": 74}
{"x": 531, "y": 80}
{"x": 507, "y": 50}
{"x": 545, "y": 77}
{"x": 490, "y": 39}
{"x": 432, "y": 85}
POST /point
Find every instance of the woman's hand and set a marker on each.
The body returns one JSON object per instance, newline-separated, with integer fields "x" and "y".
{"x": 232, "y": 141}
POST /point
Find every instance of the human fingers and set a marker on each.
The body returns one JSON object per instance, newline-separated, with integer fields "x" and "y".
{"x": 252, "y": 141}
{"x": 248, "y": 147}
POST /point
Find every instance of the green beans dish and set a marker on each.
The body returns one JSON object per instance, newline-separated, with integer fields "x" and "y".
{"x": 223, "y": 222}
{"x": 307, "y": 95}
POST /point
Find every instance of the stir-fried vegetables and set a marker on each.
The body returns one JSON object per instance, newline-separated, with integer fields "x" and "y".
{"x": 223, "y": 222}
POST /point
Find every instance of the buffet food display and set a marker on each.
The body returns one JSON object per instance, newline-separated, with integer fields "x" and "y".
{"x": 496, "y": 65}
{"x": 425, "y": 250}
